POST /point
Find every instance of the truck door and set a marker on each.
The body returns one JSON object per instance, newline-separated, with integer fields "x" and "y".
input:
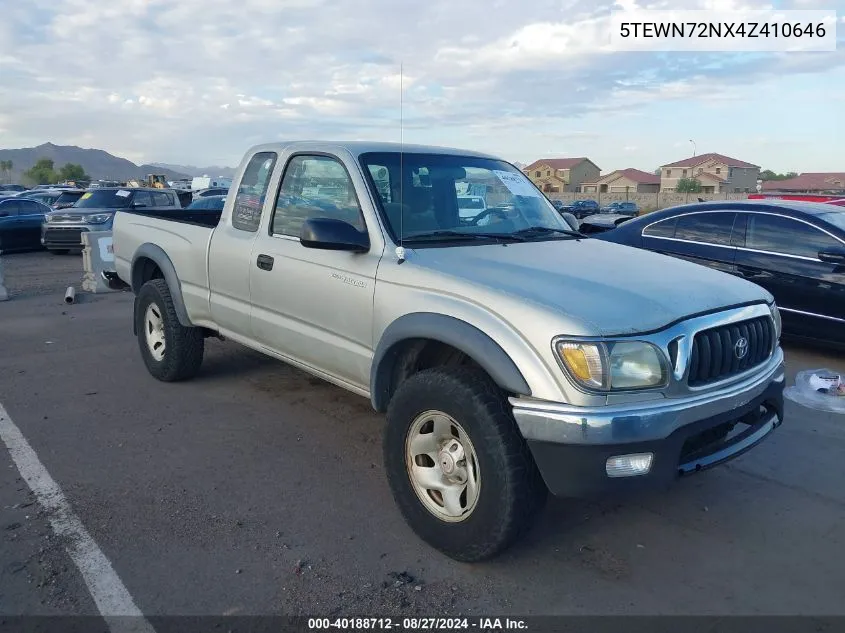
{"x": 311, "y": 305}
{"x": 230, "y": 250}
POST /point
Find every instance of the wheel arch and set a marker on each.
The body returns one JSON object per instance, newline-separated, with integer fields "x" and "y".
{"x": 151, "y": 262}
{"x": 409, "y": 337}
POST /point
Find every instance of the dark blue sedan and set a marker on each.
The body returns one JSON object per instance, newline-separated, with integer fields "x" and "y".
{"x": 20, "y": 224}
{"x": 795, "y": 250}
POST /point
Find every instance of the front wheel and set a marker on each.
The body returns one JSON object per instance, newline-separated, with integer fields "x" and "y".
{"x": 457, "y": 465}
{"x": 170, "y": 350}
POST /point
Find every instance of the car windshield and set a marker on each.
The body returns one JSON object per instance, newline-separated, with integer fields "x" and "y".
{"x": 104, "y": 199}
{"x": 68, "y": 197}
{"x": 419, "y": 196}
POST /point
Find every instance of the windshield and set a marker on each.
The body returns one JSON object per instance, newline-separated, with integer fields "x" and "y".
{"x": 104, "y": 199}
{"x": 68, "y": 197}
{"x": 423, "y": 197}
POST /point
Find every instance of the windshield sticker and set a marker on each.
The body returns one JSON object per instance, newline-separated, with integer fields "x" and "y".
{"x": 85, "y": 196}
{"x": 517, "y": 184}
{"x": 123, "y": 193}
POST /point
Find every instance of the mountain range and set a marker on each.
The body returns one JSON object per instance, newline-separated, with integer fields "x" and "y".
{"x": 99, "y": 164}
{"x": 190, "y": 170}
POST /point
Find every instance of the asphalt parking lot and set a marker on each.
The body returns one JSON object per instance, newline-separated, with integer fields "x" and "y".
{"x": 255, "y": 489}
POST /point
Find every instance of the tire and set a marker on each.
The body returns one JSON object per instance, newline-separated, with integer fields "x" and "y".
{"x": 511, "y": 492}
{"x": 60, "y": 251}
{"x": 180, "y": 353}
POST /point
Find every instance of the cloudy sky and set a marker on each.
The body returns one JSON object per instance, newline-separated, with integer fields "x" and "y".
{"x": 198, "y": 81}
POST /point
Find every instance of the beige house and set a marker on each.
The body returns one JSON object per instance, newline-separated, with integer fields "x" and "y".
{"x": 624, "y": 181}
{"x": 556, "y": 175}
{"x": 715, "y": 172}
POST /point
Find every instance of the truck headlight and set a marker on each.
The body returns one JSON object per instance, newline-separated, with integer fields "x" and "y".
{"x": 613, "y": 365}
{"x": 99, "y": 218}
{"x": 776, "y": 319}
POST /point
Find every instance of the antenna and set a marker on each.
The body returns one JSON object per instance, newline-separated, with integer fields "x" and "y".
{"x": 400, "y": 250}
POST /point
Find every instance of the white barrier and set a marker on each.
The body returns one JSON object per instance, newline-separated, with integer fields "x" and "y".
{"x": 97, "y": 256}
{"x": 4, "y": 296}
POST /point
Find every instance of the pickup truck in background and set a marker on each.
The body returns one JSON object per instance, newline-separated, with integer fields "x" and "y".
{"x": 512, "y": 355}
{"x": 94, "y": 210}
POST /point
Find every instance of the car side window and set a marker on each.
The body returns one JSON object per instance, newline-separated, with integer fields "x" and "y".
{"x": 162, "y": 199}
{"x": 315, "y": 187}
{"x": 143, "y": 199}
{"x": 9, "y": 209}
{"x": 29, "y": 207}
{"x": 779, "y": 234}
{"x": 246, "y": 212}
{"x": 665, "y": 228}
{"x": 707, "y": 228}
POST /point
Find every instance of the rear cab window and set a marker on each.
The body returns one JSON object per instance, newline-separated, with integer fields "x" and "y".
{"x": 252, "y": 191}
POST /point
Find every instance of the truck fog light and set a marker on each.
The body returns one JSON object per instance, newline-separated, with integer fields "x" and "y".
{"x": 629, "y": 465}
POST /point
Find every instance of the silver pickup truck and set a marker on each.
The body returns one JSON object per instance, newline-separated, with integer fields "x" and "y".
{"x": 511, "y": 355}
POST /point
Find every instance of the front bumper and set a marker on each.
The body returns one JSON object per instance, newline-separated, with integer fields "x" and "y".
{"x": 62, "y": 236}
{"x": 571, "y": 445}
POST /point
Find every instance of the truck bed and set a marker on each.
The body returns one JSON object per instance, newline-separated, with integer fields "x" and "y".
{"x": 201, "y": 217}
{"x": 184, "y": 237}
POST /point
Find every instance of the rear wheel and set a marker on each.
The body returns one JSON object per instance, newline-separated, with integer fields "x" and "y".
{"x": 457, "y": 464}
{"x": 170, "y": 350}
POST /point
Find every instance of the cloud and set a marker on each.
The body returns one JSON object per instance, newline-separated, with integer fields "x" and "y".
{"x": 197, "y": 80}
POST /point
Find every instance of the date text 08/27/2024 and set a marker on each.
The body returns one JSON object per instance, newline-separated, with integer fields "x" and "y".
{"x": 416, "y": 624}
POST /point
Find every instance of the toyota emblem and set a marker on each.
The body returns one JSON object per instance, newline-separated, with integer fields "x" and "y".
{"x": 741, "y": 347}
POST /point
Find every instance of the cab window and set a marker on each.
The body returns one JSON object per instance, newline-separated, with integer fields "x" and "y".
{"x": 246, "y": 211}
{"x": 315, "y": 187}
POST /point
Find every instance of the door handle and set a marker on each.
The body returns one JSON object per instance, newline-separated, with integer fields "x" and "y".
{"x": 748, "y": 273}
{"x": 265, "y": 262}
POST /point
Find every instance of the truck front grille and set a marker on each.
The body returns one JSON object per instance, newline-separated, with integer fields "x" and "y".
{"x": 722, "y": 352}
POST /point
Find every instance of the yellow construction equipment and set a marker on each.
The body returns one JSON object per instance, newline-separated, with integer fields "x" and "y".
{"x": 156, "y": 181}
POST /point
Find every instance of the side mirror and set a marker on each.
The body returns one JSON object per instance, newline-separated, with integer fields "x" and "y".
{"x": 833, "y": 255}
{"x": 333, "y": 235}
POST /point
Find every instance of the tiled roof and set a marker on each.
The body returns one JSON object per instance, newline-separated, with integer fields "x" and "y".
{"x": 818, "y": 181}
{"x": 693, "y": 161}
{"x": 556, "y": 163}
{"x": 707, "y": 176}
{"x": 639, "y": 176}
{"x": 636, "y": 175}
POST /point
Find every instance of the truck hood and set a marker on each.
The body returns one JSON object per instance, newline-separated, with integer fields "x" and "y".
{"x": 613, "y": 289}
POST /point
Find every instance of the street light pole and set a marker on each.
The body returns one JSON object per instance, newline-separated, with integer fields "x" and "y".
{"x": 693, "y": 147}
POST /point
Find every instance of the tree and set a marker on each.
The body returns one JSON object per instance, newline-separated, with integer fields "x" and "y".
{"x": 72, "y": 171}
{"x": 6, "y": 169}
{"x": 768, "y": 174}
{"x": 688, "y": 185}
{"x": 42, "y": 173}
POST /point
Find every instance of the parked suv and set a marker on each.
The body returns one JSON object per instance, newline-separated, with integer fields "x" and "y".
{"x": 582, "y": 208}
{"x": 95, "y": 210}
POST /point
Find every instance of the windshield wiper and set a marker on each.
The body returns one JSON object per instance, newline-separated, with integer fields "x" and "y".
{"x": 462, "y": 235}
{"x": 545, "y": 230}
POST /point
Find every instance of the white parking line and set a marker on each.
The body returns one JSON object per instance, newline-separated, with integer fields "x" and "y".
{"x": 111, "y": 597}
